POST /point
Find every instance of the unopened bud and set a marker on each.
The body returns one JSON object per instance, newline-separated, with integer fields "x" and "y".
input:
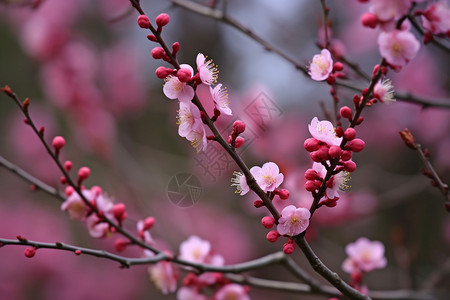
{"x": 143, "y": 21}
{"x": 162, "y": 20}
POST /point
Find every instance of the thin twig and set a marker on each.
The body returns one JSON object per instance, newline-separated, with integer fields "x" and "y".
{"x": 434, "y": 41}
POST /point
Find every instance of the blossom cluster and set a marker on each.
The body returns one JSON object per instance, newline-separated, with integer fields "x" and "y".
{"x": 196, "y": 250}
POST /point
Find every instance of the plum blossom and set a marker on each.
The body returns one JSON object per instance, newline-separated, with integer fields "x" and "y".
{"x": 175, "y": 89}
{"x": 398, "y": 47}
{"x": 232, "y": 291}
{"x": 324, "y": 131}
{"x": 336, "y": 183}
{"x": 206, "y": 70}
{"x": 321, "y": 66}
{"x": 76, "y": 207}
{"x": 364, "y": 256}
{"x": 268, "y": 177}
{"x": 220, "y": 98}
{"x": 144, "y": 234}
{"x": 188, "y": 116}
{"x": 293, "y": 220}
{"x": 384, "y": 91}
{"x": 436, "y": 18}
{"x": 195, "y": 249}
{"x": 186, "y": 293}
{"x": 97, "y": 228}
{"x": 197, "y": 137}
{"x": 240, "y": 182}
{"x": 388, "y": 10}
{"x": 164, "y": 276}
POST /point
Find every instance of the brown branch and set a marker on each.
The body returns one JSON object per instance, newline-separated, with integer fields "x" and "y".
{"x": 430, "y": 172}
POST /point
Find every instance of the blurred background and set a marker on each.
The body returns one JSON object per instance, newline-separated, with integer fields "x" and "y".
{"x": 87, "y": 69}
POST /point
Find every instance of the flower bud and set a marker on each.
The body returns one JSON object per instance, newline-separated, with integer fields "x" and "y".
{"x": 162, "y": 20}
{"x": 184, "y": 75}
{"x": 349, "y": 166}
{"x": 334, "y": 151}
{"x": 350, "y": 133}
{"x": 311, "y": 174}
{"x": 68, "y": 165}
{"x": 163, "y": 72}
{"x": 338, "y": 66}
{"x": 268, "y": 222}
{"x": 148, "y": 223}
{"x": 346, "y": 155}
{"x": 310, "y": 186}
{"x": 152, "y": 38}
{"x": 283, "y": 194}
{"x": 272, "y": 236}
{"x": 58, "y": 143}
{"x": 239, "y": 142}
{"x": 83, "y": 173}
{"x": 369, "y": 20}
{"x": 357, "y": 145}
{"x": 158, "y": 53}
{"x": 30, "y": 252}
{"x": 119, "y": 212}
{"x": 258, "y": 203}
{"x": 346, "y": 112}
{"x": 311, "y": 144}
{"x": 238, "y": 127}
{"x": 143, "y": 21}
{"x": 120, "y": 244}
{"x": 288, "y": 248}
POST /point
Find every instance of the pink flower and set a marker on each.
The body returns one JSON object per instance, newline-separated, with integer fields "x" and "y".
{"x": 324, "y": 131}
{"x": 364, "y": 256}
{"x": 220, "y": 98}
{"x": 76, "y": 207}
{"x": 185, "y": 293}
{"x": 388, "y": 10}
{"x": 197, "y": 137}
{"x": 175, "y": 89}
{"x": 206, "y": 70}
{"x": 188, "y": 116}
{"x": 398, "y": 47}
{"x": 293, "y": 220}
{"x": 164, "y": 276}
{"x": 144, "y": 234}
{"x": 232, "y": 291}
{"x": 240, "y": 182}
{"x": 268, "y": 177}
{"x": 194, "y": 249}
{"x": 97, "y": 228}
{"x": 436, "y": 18}
{"x": 384, "y": 91}
{"x": 336, "y": 183}
{"x": 321, "y": 66}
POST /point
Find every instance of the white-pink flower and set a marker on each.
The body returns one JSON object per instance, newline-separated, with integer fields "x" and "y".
{"x": 268, "y": 177}
{"x": 175, "y": 89}
{"x": 240, "y": 182}
{"x": 388, "y": 10}
{"x": 293, "y": 220}
{"x": 164, "y": 276}
{"x": 336, "y": 183}
{"x": 321, "y": 66}
{"x": 194, "y": 249}
{"x": 97, "y": 228}
{"x": 186, "y": 293}
{"x": 324, "y": 131}
{"x": 436, "y": 18}
{"x": 76, "y": 207}
{"x": 232, "y": 291}
{"x": 197, "y": 137}
{"x": 206, "y": 70}
{"x": 384, "y": 91}
{"x": 220, "y": 98}
{"x": 188, "y": 116}
{"x": 398, "y": 47}
{"x": 364, "y": 256}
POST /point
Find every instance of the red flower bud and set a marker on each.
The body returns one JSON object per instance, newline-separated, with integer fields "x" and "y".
{"x": 357, "y": 145}
{"x": 239, "y": 142}
{"x": 272, "y": 236}
{"x": 163, "y": 72}
{"x": 268, "y": 222}
{"x": 120, "y": 244}
{"x": 283, "y": 194}
{"x": 311, "y": 144}
{"x": 143, "y": 21}
{"x": 288, "y": 248}
{"x": 58, "y": 143}
{"x": 349, "y": 166}
{"x": 30, "y": 252}
{"x": 334, "y": 151}
{"x": 346, "y": 155}
{"x": 346, "y": 112}
{"x": 311, "y": 174}
{"x": 369, "y": 20}
{"x": 162, "y": 20}
{"x": 148, "y": 223}
{"x": 158, "y": 53}
{"x": 184, "y": 75}
{"x": 350, "y": 133}
{"x": 258, "y": 203}
{"x": 119, "y": 212}
{"x": 83, "y": 174}
{"x": 238, "y": 127}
